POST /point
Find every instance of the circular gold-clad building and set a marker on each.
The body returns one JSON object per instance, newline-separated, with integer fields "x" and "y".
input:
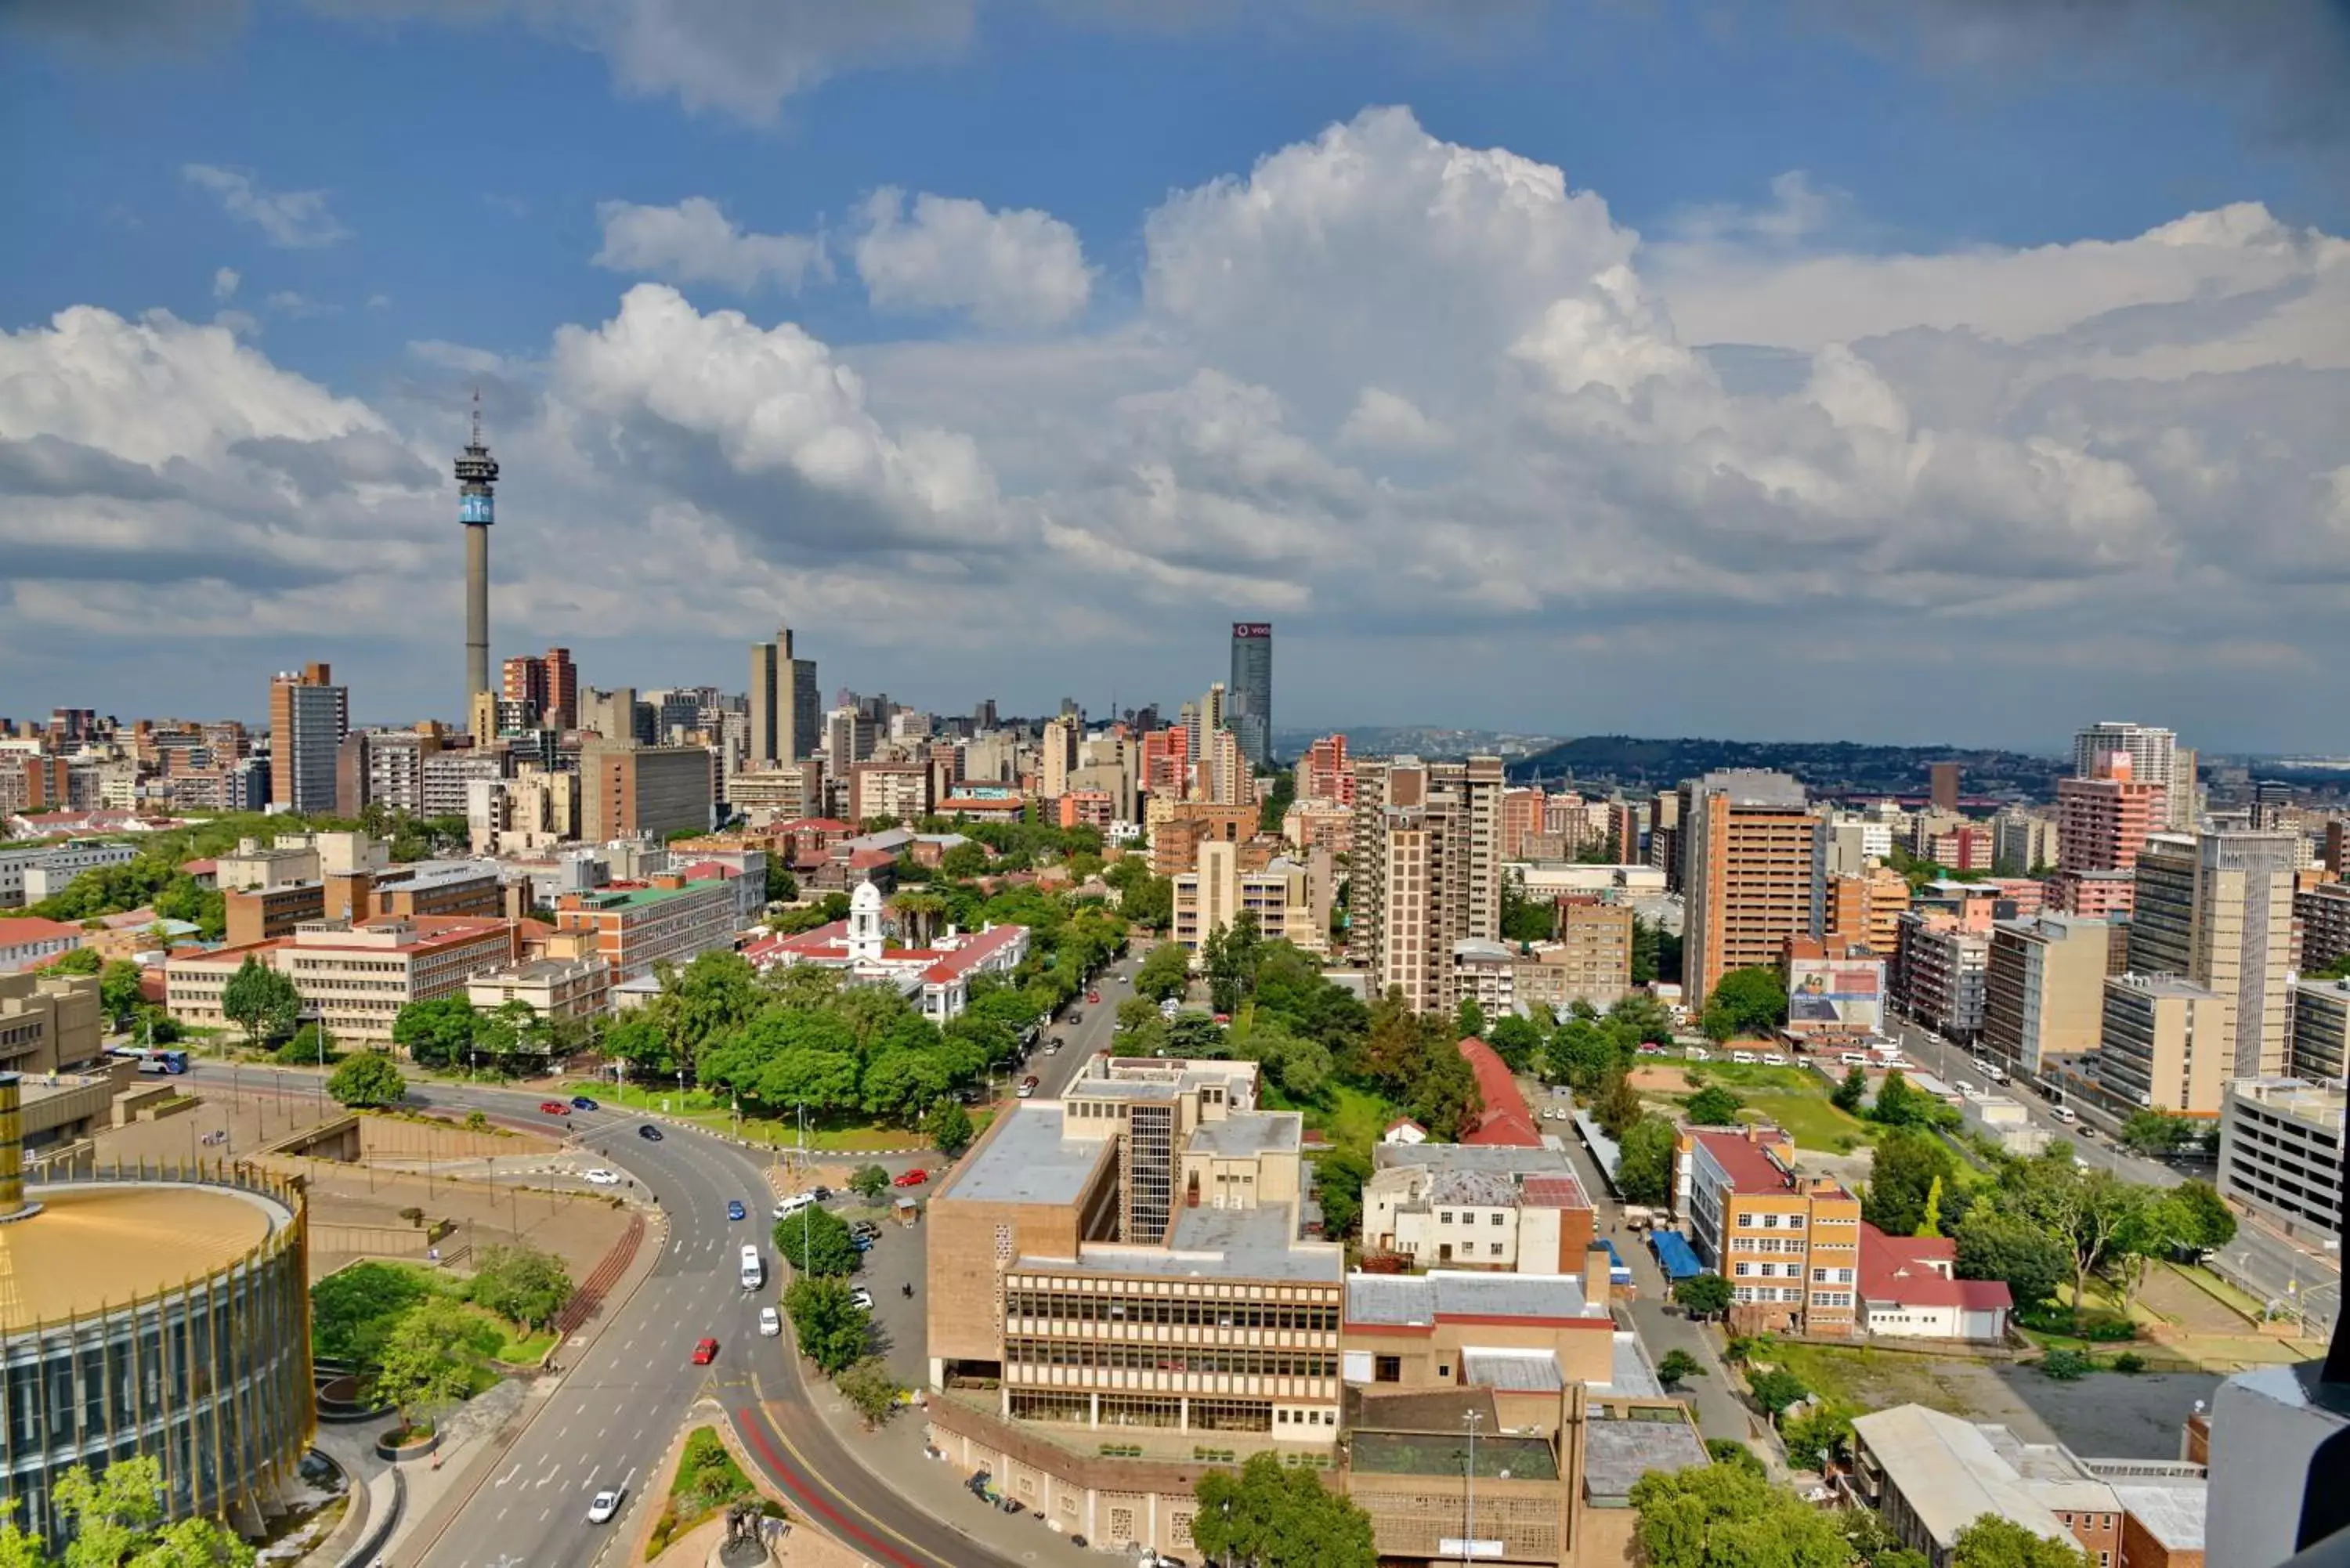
{"x": 162, "y": 1311}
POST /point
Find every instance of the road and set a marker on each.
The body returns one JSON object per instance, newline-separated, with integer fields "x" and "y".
{"x": 613, "y": 1411}
{"x": 2258, "y": 1260}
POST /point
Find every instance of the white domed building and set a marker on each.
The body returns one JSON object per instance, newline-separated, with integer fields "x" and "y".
{"x": 936, "y": 979}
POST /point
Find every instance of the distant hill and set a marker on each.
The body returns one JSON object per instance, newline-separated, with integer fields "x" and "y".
{"x": 1434, "y": 743}
{"x": 1827, "y": 767}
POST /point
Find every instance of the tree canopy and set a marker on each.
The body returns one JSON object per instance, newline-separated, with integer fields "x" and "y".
{"x": 1712, "y": 1516}
{"x": 367, "y": 1081}
{"x": 1271, "y": 1516}
{"x": 260, "y": 1000}
{"x": 1744, "y": 1002}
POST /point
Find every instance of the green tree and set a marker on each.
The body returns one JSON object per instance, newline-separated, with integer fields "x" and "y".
{"x": 367, "y": 1081}
{"x": 832, "y": 1329}
{"x": 119, "y": 989}
{"x": 1525, "y": 920}
{"x": 1338, "y": 1179}
{"x": 870, "y": 1388}
{"x": 2155, "y": 1133}
{"x": 1704, "y": 1295}
{"x": 428, "y": 1360}
{"x": 78, "y": 960}
{"x": 1165, "y": 974}
{"x": 1271, "y": 1516}
{"x": 949, "y": 1127}
{"x": 1440, "y": 1088}
{"x": 261, "y": 1001}
{"x": 814, "y": 1241}
{"x": 1929, "y": 1222}
{"x": 1750, "y": 1002}
{"x": 115, "y": 1520}
{"x": 1228, "y": 958}
{"x": 1517, "y": 1040}
{"x": 309, "y": 1047}
{"x": 1994, "y": 1245}
{"x": 1993, "y": 1541}
{"x": 1713, "y": 1108}
{"x": 963, "y": 861}
{"x": 1678, "y": 1366}
{"x": 2089, "y": 1215}
{"x": 789, "y": 1056}
{"x": 522, "y": 1284}
{"x": 1776, "y": 1389}
{"x": 1468, "y": 1019}
{"x": 1851, "y": 1093}
{"x": 1582, "y": 1051}
{"x": 1815, "y": 1439}
{"x": 353, "y": 1310}
{"x": 1721, "y": 1515}
{"x": 782, "y": 885}
{"x": 636, "y": 1038}
{"x": 2204, "y": 1222}
{"x": 1618, "y": 1106}
{"x": 1644, "y": 1163}
{"x": 869, "y": 1182}
{"x": 1904, "y": 1169}
{"x": 435, "y": 1034}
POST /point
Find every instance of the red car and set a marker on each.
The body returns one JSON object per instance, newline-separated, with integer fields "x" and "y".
{"x": 1094, "y": 997}
{"x": 913, "y": 1177}
{"x": 555, "y": 1108}
{"x": 706, "y": 1350}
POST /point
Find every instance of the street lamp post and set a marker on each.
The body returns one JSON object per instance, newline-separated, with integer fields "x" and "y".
{"x": 1473, "y": 1420}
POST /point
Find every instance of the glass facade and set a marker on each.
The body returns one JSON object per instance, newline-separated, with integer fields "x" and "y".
{"x": 211, "y": 1377}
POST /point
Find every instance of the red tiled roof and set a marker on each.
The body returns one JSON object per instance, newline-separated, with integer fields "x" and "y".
{"x": 1560, "y": 1191}
{"x": 859, "y": 859}
{"x": 33, "y": 928}
{"x": 1750, "y": 1170}
{"x": 705, "y": 870}
{"x": 1505, "y": 1122}
{"x": 200, "y": 868}
{"x": 1900, "y": 1270}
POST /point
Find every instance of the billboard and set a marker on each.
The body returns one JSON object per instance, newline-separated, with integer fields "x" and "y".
{"x": 1839, "y": 993}
{"x": 1251, "y": 628}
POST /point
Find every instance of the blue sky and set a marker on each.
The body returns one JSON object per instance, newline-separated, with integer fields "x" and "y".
{"x": 1979, "y": 349}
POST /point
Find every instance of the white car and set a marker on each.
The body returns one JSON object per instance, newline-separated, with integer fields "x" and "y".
{"x": 605, "y": 1505}
{"x": 862, "y": 1297}
{"x": 771, "y": 1324}
{"x": 1962, "y": 1085}
{"x": 602, "y": 1177}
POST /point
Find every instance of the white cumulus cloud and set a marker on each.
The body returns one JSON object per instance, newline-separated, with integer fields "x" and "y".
{"x": 695, "y": 242}
{"x": 1004, "y": 268}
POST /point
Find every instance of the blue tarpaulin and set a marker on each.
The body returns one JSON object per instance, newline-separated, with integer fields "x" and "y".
{"x": 1674, "y": 1254}
{"x": 1618, "y": 1271}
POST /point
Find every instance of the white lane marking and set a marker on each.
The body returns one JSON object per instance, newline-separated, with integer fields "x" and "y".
{"x": 543, "y": 1512}
{"x": 509, "y": 1475}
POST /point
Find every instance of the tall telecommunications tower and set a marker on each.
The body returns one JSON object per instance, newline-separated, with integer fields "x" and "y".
{"x": 477, "y": 478}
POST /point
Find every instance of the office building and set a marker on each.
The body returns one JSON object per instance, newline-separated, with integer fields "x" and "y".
{"x": 164, "y": 1310}
{"x": 308, "y": 716}
{"x": 571, "y": 983}
{"x": 630, "y": 791}
{"x": 354, "y": 978}
{"x": 1250, "y": 707}
{"x": 1426, "y": 871}
{"x": 1323, "y": 773}
{"x": 2321, "y": 1031}
{"x": 1177, "y": 828}
{"x": 2045, "y": 990}
{"x": 1788, "y": 1243}
{"x": 2166, "y": 1044}
{"x": 384, "y": 768}
{"x": 52, "y": 868}
{"x": 2022, "y": 842}
{"x": 1058, "y": 757}
{"x": 848, "y": 739}
{"x": 787, "y": 713}
{"x": 897, "y": 790}
{"x": 28, "y": 939}
{"x": 1280, "y": 898}
{"x": 665, "y": 918}
{"x": 2217, "y": 909}
{"x": 2281, "y": 1153}
{"x": 1866, "y": 908}
{"x": 2153, "y": 756}
{"x": 448, "y": 778}
{"x": 49, "y": 1021}
{"x": 1942, "y": 788}
{"x": 1748, "y": 846}
{"x": 611, "y": 714}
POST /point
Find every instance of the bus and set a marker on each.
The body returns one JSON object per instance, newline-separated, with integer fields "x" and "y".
{"x": 161, "y": 1059}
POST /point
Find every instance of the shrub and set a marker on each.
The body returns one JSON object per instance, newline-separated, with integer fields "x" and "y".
{"x": 2129, "y": 1361}
{"x": 1731, "y": 1451}
{"x": 2065, "y": 1365}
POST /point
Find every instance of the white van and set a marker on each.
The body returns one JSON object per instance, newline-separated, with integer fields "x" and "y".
{"x": 1853, "y": 1059}
{"x": 2063, "y": 1114}
{"x": 1995, "y": 1073}
{"x": 754, "y": 1272}
{"x": 792, "y": 1205}
{"x": 1748, "y": 1057}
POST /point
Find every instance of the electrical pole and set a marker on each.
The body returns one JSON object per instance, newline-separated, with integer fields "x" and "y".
{"x": 1473, "y": 1420}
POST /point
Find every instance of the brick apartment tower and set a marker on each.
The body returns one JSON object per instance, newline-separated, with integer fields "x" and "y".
{"x": 308, "y": 717}
{"x": 2102, "y": 823}
{"x": 1747, "y": 846}
{"x": 1426, "y": 871}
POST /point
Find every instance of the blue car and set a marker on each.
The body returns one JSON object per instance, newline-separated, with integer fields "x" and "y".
{"x": 582, "y": 1103}
{"x": 735, "y": 1208}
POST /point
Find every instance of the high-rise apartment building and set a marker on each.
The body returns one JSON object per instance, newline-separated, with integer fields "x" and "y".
{"x": 1203, "y": 719}
{"x": 1166, "y": 763}
{"x": 2217, "y": 909}
{"x": 2152, "y": 752}
{"x": 786, "y": 714}
{"x": 1058, "y": 757}
{"x": 2103, "y": 819}
{"x": 1426, "y": 871}
{"x": 2022, "y": 842}
{"x": 611, "y": 714}
{"x": 1522, "y": 816}
{"x": 1748, "y": 844}
{"x": 848, "y": 739}
{"x": 308, "y": 717}
{"x": 1942, "y": 790}
{"x": 1251, "y": 691}
{"x": 2043, "y": 991}
{"x": 1323, "y": 773}
{"x": 2321, "y": 1031}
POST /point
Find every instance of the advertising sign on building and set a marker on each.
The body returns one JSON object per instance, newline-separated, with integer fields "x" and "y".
{"x": 1252, "y": 629}
{"x": 1845, "y": 994}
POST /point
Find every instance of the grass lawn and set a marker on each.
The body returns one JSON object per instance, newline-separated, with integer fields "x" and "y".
{"x": 1858, "y": 1380}
{"x": 1810, "y": 1121}
{"x": 1349, "y": 1116}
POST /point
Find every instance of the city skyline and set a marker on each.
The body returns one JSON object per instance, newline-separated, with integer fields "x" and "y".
{"x": 835, "y": 329}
